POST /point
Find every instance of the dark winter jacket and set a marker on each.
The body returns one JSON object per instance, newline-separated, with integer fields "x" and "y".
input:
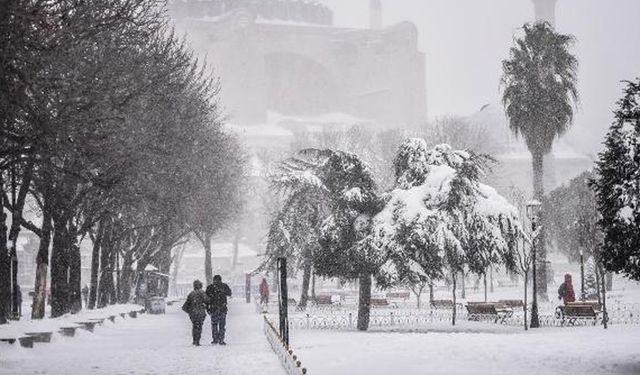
{"x": 218, "y": 293}
{"x": 196, "y": 305}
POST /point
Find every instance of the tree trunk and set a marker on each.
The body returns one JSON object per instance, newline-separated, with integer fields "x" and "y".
{"x": 59, "y": 268}
{"x": 208, "y": 269}
{"x": 105, "y": 283}
{"x": 75, "y": 275}
{"x": 364, "y": 302}
{"x": 463, "y": 293}
{"x": 165, "y": 262}
{"x": 526, "y": 283}
{"x": 430, "y": 293}
{"x": 5, "y": 265}
{"x": 598, "y": 284}
{"x": 42, "y": 264}
{"x": 17, "y": 208}
{"x": 313, "y": 285}
{"x": 113, "y": 266}
{"x": 453, "y": 316}
{"x": 306, "y": 278}
{"x": 177, "y": 259}
{"x": 605, "y": 313}
{"x": 95, "y": 265}
{"x": 417, "y": 291}
{"x": 541, "y": 251}
{"x": 124, "y": 284}
{"x": 491, "y": 280}
{"x": 236, "y": 248}
{"x": 484, "y": 280}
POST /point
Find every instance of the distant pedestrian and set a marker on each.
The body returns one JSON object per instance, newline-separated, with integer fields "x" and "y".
{"x": 196, "y": 307}
{"x": 218, "y": 293}
{"x": 264, "y": 292}
{"x": 565, "y": 292}
{"x": 85, "y": 294}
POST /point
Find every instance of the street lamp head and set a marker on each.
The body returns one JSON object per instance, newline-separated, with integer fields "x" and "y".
{"x": 533, "y": 208}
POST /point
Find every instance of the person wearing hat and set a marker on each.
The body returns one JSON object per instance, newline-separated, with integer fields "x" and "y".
{"x": 196, "y": 307}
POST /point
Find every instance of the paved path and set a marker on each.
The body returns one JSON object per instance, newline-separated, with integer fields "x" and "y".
{"x": 151, "y": 344}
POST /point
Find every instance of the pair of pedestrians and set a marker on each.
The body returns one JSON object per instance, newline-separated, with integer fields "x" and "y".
{"x": 213, "y": 301}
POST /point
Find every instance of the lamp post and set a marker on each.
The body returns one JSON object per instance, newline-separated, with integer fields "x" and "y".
{"x": 582, "y": 296}
{"x": 533, "y": 209}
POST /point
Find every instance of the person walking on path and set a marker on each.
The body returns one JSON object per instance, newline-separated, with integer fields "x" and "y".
{"x": 565, "y": 292}
{"x": 196, "y": 307}
{"x": 218, "y": 293}
{"x": 264, "y": 292}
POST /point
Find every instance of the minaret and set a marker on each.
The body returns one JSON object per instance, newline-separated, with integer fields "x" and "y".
{"x": 375, "y": 14}
{"x": 545, "y": 11}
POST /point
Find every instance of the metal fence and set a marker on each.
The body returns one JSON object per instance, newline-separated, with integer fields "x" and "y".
{"x": 405, "y": 318}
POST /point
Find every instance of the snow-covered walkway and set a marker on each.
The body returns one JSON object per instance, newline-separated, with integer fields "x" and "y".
{"x": 151, "y": 344}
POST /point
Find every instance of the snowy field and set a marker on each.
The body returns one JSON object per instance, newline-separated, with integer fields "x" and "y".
{"x": 150, "y": 344}
{"x": 472, "y": 349}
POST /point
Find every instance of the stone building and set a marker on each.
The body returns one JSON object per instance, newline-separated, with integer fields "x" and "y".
{"x": 286, "y": 57}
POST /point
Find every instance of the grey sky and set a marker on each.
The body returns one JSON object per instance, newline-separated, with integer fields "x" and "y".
{"x": 465, "y": 41}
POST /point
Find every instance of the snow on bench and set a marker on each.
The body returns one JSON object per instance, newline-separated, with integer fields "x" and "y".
{"x": 488, "y": 311}
{"x": 398, "y": 295}
{"x": 438, "y": 304}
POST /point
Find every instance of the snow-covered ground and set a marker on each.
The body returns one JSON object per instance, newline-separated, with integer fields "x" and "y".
{"x": 150, "y": 344}
{"x": 473, "y": 348}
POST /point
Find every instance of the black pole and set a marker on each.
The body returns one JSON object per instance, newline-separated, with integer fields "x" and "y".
{"x": 535, "y": 321}
{"x": 283, "y": 301}
{"x": 582, "y": 296}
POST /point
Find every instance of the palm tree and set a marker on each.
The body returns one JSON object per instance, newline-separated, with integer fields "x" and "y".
{"x": 539, "y": 91}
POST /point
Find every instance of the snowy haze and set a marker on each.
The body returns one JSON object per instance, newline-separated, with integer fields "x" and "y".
{"x": 466, "y": 40}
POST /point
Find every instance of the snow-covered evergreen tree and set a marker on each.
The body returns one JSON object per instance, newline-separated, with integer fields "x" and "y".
{"x": 590, "y": 283}
{"x": 441, "y": 218}
{"x": 618, "y": 187}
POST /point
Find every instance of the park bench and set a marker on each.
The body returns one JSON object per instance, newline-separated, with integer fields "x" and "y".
{"x": 572, "y": 312}
{"x": 40, "y": 336}
{"x": 506, "y": 284}
{"x": 512, "y": 303}
{"x": 97, "y": 320}
{"x": 25, "y": 341}
{"x": 398, "y": 295}
{"x": 488, "y": 311}
{"x": 322, "y": 299}
{"x": 442, "y": 304}
{"x": 88, "y": 325}
{"x": 69, "y": 331}
{"x": 381, "y": 302}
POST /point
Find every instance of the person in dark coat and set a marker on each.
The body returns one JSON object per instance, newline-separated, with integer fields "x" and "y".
{"x": 565, "y": 292}
{"x": 264, "y": 291}
{"x": 196, "y": 307}
{"x": 218, "y": 293}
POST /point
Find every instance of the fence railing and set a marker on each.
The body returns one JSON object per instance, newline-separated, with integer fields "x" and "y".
{"x": 404, "y": 318}
{"x": 290, "y": 361}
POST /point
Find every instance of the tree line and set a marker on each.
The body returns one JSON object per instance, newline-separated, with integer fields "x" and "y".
{"x": 111, "y": 132}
